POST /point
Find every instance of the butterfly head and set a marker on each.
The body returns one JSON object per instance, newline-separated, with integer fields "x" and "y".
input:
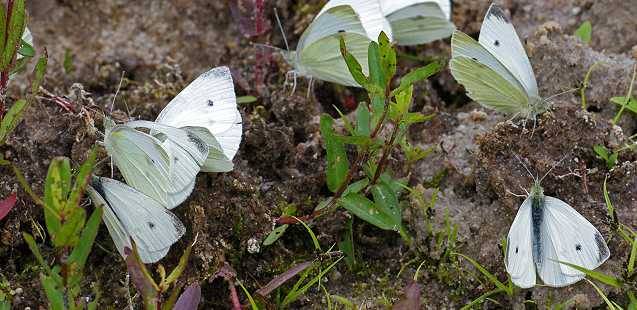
{"x": 536, "y": 190}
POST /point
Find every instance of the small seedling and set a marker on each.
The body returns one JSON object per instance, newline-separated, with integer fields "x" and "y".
{"x": 627, "y": 98}
{"x": 584, "y": 32}
{"x": 71, "y": 233}
{"x": 376, "y": 197}
{"x": 610, "y": 158}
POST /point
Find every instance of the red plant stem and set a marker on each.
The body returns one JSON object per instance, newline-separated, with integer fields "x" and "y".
{"x": 234, "y": 297}
{"x": 258, "y": 18}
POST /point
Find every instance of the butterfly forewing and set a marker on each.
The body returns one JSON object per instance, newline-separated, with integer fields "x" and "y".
{"x": 498, "y": 36}
{"x": 576, "y": 240}
{"x": 209, "y": 101}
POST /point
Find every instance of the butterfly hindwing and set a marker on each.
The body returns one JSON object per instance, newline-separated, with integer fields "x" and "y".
{"x": 519, "y": 253}
{"x": 418, "y": 21}
{"x": 142, "y": 159}
{"x": 131, "y": 214}
{"x": 369, "y": 13}
{"x": 487, "y": 87}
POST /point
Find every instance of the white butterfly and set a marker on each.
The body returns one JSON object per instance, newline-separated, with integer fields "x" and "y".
{"x": 547, "y": 230}
{"x": 496, "y": 71}
{"x": 129, "y": 213}
{"x": 200, "y": 129}
{"x": 418, "y": 21}
{"x": 318, "y": 53}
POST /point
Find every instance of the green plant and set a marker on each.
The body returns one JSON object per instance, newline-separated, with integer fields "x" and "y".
{"x": 629, "y": 95}
{"x": 507, "y": 288}
{"x": 610, "y": 158}
{"x": 71, "y": 234}
{"x": 584, "y": 32}
{"x": 152, "y": 291}
{"x": 587, "y": 78}
{"x": 364, "y": 186}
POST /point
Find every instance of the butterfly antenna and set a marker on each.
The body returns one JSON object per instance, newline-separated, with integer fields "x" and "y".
{"x": 561, "y": 93}
{"x": 278, "y": 21}
{"x": 525, "y": 167}
{"x": 121, "y": 79}
{"x": 556, "y": 164}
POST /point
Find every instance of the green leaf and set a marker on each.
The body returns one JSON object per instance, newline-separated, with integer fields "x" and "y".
{"x": 376, "y": 73}
{"x": 176, "y": 273}
{"x": 606, "y": 279}
{"x": 3, "y": 25}
{"x": 77, "y": 259}
{"x": 26, "y": 49}
{"x": 601, "y": 151}
{"x": 296, "y": 292}
{"x": 354, "y": 140}
{"x": 417, "y": 75}
{"x": 69, "y": 233}
{"x": 386, "y": 201}
{"x": 353, "y": 65}
{"x": 53, "y": 293}
{"x": 15, "y": 28}
{"x": 246, "y": 99}
{"x": 38, "y": 73}
{"x": 378, "y": 108}
{"x": 275, "y": 234}
{"x": 387, "y": 56}
{"x": 36, "y": 251}
{"x": 56, "y": 189}
{"x": 317, "y": 245}
{"x": 356, "y": 186}
{"x": 81, "y": 180}
{"x": 362, "y": 120}
{"x": 487, "y": 274}
{"x": 481, "y": 299}
{"x": 416, "y": 117}
{"x": 366, "y": 210}
{"x": 401, "y": 106}
{"x": 633, "y": 256}
{"x": 631, "y": 105}
{"x": 346, "y": 245}
{"x": 68, "y": 62}
{"x": 609, "y": 303}
{"x": 584, "y": 32}
{"x": 11, "y": 119}
{"x": 337, "y": 162}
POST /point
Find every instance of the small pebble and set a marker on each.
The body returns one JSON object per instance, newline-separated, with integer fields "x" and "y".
{"x": 253, "y": 246}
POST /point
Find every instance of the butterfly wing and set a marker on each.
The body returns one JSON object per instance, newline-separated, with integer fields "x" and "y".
{"x": 487, "y": 87}
{"x": 153, "y": 228}
{"x": 498, "y": 36}
{"x": 370, "y": 15}
{"x": 576, "y": 240}
{"x": 519, "y": 252}
{"x": 142, "y": 159}
{"x": 209, "y": 102}
{"x": 318, "y": 52}
{"x": 118, "y": 232}
{"x": 217, "y": 160}
{"x": 416, "y": 21}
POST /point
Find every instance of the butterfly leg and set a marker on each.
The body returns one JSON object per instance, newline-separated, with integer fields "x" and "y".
{"x": 293, "y": 83}
{"x": 309, "y": 87}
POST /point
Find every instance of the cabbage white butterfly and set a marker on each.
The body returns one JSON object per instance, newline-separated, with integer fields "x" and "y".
{"x": 418, "y": 21}
{"x": 129, "y": 213}
{"x": 547, "y": 230}
{"x": 318, "y": 54}
{"x": 200, "y": 129}
{"x": 496, "y": 71}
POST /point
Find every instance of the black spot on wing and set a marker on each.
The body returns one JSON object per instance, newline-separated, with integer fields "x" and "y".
{"x": 200, "y": 144}
{"x": 341, "y": 31}
{"x": 211, "y": 103}
{"x": 602, "y": 249}
{"x": 496, "y": 43}
{"x": 516, "y": 250}
{"x": 578, "y": 247}
{"x": 151, "y": 225}
{"x": 497, "y": 12}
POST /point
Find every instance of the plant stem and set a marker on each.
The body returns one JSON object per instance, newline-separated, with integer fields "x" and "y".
{"x": 386, "y": 151}
{"x": 627, "y": 99}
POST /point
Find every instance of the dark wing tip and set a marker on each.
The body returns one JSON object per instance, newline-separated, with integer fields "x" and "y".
{"x": 497, "y": 12}
{"x": 602, "y": 248}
